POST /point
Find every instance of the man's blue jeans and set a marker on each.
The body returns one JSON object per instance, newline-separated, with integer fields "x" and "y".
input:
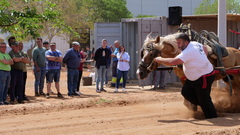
{"x": 72, "y": 80}
{"x": 101, "y": 72}
{"x": 39, "y": 79}
{"x": 122, "y": 74}
{"x": 5, "y": 78}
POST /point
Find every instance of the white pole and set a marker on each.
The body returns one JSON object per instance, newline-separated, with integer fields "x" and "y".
{"x": 222, "y": 28}
{"x": 222, "y": 22}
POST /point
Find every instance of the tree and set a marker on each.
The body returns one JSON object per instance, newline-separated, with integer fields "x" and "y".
{"x": 25, "y": 20}
{"x": 208, "y": 7}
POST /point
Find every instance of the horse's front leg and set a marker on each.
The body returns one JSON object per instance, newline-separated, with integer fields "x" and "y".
{"x": 154, "y": 65}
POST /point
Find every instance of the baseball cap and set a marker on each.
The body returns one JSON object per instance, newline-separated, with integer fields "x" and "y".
{"x": 75, "y": 43}
{"x": 53, "y": 43}
{"x": 14, "y": 43}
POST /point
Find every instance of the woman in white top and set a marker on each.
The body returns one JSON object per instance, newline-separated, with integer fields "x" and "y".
{"x": 122, "y": 67}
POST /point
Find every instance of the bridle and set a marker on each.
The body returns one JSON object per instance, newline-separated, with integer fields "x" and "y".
{"x": 150, "y": 49}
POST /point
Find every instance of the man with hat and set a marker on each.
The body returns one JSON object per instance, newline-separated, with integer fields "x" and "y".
{"x": 17, "y": 84}
{"x": 53, "y": 66}
{"x": 72, "y": 59}
{"x": 5, "y": 76}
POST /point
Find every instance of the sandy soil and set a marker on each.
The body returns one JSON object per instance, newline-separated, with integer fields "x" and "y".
{"x": 139, "y": 111}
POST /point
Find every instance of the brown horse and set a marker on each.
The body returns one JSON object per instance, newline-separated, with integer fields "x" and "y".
{"x": 167, "y": 47}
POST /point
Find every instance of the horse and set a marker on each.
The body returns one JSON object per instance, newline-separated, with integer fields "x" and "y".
{"x": 167, "y": 47}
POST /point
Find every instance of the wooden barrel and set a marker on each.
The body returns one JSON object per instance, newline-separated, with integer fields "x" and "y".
{"x": 87, "y": 81}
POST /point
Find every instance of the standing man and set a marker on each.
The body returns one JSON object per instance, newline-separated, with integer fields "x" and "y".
{"x": 39, "y": 68}
{"x": 102, "y": 56}
{"x": 53, "y": 62}
{"x": 5, "y": 76}
{"x": 115, "y": 62}
{"x": 72, "y": 58}
{"x": 198, "y": 71}
{"x": 16, "y": 84}
{"x": 24, "y": 54}
{"x": 46, "y": 45}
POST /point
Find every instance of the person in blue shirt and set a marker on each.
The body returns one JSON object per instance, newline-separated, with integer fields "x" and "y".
{"x": 114, "y": 64}
{"x": 72, "y": 59}
{"x": 53, "y": 65}
{"x": 122, "y": 67}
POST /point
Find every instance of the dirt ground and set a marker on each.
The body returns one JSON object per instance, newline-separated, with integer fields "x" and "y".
{"x": 139, "y": 111}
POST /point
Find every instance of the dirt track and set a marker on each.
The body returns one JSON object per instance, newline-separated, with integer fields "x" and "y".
{"x": 139, "y": 111}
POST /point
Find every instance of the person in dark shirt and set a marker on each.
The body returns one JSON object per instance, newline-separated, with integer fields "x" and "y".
{"x": 102, "y": 56}
{"x": 72, "y": 59}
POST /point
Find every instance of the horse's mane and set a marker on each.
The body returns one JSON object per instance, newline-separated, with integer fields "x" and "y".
{"x": 169, "y": 39}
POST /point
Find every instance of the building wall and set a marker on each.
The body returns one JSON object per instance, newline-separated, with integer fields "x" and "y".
{"x": 160, "y": 7}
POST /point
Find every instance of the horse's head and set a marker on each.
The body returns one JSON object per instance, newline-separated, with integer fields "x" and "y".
{"x": 153, "y": 47}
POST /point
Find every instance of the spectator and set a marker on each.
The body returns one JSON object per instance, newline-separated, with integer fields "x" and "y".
{"x": 5, "y": 76}
{"x": 24, "y": 54}
{"x": 16, "y": 84}
{"x": 108, "y": 64}
{"x": 39, "y": 68}
{"x": 114, "y": 65}
{"x": 123, "y": 67}
{"x": 101, "y": 57}
{"x": 10, "y": 40}
{"x": 88, "y": 57}
{"x": 80, "y": 70}
{"x": 46, "y": 45}
{"x": 53, "y": 62}
{"x": 72, "y": 59}
{"x": 93, "y": 52}
{"x": 159, "y": 79}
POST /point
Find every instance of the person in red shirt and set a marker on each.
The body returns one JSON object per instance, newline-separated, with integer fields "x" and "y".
{"x": 80, "y": 69}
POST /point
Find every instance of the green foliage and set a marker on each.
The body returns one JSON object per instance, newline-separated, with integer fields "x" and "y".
{"x": 105, "y": 10}
{"x": 208, "y": 7}
{"x": 27, "y": 20}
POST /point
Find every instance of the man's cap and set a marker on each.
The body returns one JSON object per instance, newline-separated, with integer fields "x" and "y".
{"x": 45, "y": 42}
{"x": 75, "y": 43}
{"x": 14, "y": 43}
{"x": 53, "y": 43}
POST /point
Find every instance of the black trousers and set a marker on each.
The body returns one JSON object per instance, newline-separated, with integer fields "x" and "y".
{"x": 193, "y": 92}
{"x": 24, "y": 83}
{"x": 79, "y": 80}
{"x": 16, "y": 85}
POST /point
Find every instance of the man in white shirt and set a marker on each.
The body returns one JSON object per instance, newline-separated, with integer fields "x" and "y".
{"x": 198, "y": 71}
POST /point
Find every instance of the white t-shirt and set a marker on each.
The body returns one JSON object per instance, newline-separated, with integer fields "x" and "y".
{"x": 123, "y": 66}
{"x": 195, "y": 61}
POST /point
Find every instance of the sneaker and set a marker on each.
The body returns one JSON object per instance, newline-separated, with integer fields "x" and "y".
{"x": 37, "y": 94}
{"x": 124, "y": 90}
{"x": 47, "y": 95}
{"x": 98, "y": 91}
{"x": 70, "y": 95}
{"x": 42, "y": 94}
{"x": 26, "y": 99}
{"x": 13, "y": 102}
{"x": 59, "y": 95}
{"x": 103, "y": 90}
{"x": 79, "y": 93}
{"x": 75, "y": 94}
{"x": 20, "y": 101}
{"x": 116, "y": 90}
{"x": 6, "y": 103}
